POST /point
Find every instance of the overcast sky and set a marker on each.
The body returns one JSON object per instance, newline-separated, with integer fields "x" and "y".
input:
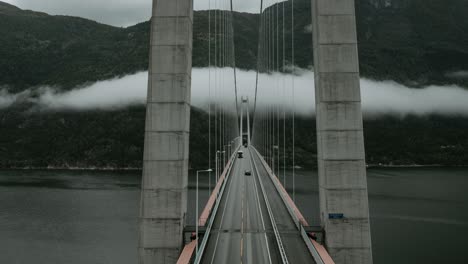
{"x": 120, "y": 12}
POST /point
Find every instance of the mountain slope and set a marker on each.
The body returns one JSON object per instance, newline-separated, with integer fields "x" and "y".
{"x": 415, "y": 42}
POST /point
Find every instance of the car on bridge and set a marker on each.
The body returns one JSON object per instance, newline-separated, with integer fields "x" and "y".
{"x": 240, "y": 154}
{"x": 248, "y": 173}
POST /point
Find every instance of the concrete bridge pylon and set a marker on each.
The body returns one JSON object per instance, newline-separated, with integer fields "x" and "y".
{"x": 165, "y": 167}
{"x": 341, "y": 157}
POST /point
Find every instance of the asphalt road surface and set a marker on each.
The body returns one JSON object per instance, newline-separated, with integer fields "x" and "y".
{"x": 242, "y": 230}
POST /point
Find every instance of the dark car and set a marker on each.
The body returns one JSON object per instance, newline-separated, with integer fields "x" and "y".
{"x": 247, "y": 173}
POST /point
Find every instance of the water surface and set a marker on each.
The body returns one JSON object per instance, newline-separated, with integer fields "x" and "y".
{"x": 418, "y": 215}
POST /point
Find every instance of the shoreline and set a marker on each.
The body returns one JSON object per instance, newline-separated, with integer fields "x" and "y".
{"x": 373, "y": 166}
{"x": 103, "y": 169}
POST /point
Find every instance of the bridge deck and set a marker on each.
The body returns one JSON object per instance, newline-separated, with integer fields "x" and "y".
{"x": 242, "y": 231}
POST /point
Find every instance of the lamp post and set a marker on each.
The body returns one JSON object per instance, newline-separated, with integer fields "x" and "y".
{"x": 221, "y": 168}
{"x": 273, "y": 161}
{"x": 235, "y": 140}
{"x": 196, "y": 208}
{"x": 216, "y": 164}
{"x": 224, "y": 157}
{"x": 218, "y": 167}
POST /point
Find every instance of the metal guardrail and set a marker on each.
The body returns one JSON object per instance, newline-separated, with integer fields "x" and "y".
{"x": 311, "y": 247}
{"x": 290, "y": 210}
{"x": 202, "y": 246}
{"x": 299, "y": 224}
{"x": 272, "y": 218}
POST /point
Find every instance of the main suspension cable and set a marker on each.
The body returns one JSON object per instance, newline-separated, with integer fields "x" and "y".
{"x": 233, "y": 54}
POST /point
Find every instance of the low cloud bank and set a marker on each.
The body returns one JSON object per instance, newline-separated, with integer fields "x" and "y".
{"x": 378, "y": 97}
{"x": 457, "y": 75}
{"x": 110, "y": 94}
{"x": 6, "y": 99}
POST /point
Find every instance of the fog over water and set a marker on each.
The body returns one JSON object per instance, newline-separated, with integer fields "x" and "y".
{"x": 378, "y": 98}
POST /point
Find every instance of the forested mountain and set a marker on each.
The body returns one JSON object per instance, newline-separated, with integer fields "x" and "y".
{"x": 414, "y": 42}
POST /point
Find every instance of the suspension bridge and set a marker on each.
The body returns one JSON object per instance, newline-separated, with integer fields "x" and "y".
{"x": 249, "y": 216}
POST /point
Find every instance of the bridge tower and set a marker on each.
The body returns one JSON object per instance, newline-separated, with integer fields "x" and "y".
{"x": 341, "y": 158}
{"x": 245, "y": 108}
{"x": 165, "y": 166}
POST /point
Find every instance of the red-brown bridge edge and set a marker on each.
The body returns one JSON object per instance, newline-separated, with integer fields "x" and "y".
{"x": 189, "y": 249}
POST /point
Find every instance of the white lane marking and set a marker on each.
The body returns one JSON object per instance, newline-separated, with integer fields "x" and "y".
{"x": 260, "y": 209}
{"x": 222, "y": 216}
{"x": 242, "y": 225}
{"x": 273, "y": 222}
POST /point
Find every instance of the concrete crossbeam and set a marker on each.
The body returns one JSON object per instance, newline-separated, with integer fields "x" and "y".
{"x": 341, "y": 156}
{"x": 165, "y": 165}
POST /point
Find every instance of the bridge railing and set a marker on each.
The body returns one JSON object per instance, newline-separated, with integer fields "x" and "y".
{"x": 208, "y": 215}
{"x": 279, "y": 241}
{"x": 318, "y": 251}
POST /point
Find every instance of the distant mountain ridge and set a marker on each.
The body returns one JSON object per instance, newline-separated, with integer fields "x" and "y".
{"x": 7, "y": 8}
{"x": 415, "y": 42}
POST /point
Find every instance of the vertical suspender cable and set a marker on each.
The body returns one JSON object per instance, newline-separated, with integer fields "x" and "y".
{"x": 223, "y": 58}
{"x": 216, "y": 86}
{"x": 284, "y": 101}
{"x": 260, "y": 30}
{"x": 209, "y": 94}
{"x": 224, "y": 77}
{"x": 221, "y": 80}
{"x": 270, "y": 51}
{"x": 277, "y": 85}
{"x": 272, "y": 64}
{"x": 233, "y": 54}
{"x": 293, "y": 101}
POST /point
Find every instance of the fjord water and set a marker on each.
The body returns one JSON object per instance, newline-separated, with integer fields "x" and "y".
{"x": 418, "y": 215}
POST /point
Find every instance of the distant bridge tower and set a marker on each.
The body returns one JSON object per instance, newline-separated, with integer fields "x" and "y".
{"x": 245, "y": 108}
{"x": 165, "y": 166}
{"x": 342, "y": 168}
